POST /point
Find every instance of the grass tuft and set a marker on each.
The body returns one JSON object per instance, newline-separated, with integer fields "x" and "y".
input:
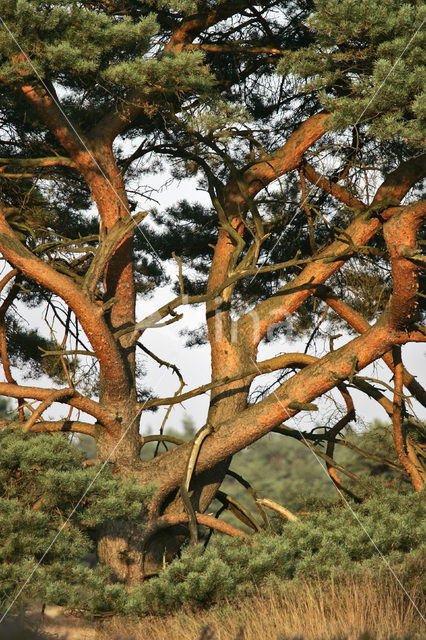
{"x": 361, "y": 607}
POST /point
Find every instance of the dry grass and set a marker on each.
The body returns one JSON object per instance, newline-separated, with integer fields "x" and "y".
{"x": 362, "y": 607}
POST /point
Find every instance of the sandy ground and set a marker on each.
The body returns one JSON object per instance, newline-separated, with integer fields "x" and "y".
{"x": 66, "y": 627}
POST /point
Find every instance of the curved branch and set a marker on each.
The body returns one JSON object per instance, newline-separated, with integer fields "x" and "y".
{"x": 161, "y": 438}
{"x": 332, "y": 187}
{"x": 398, "y": 431}
{"x": 270, "y": 167}
{"x": 7, "y": 302}
{"x": 374, "y": 393}
{"x": 102, "y": 415}
{"x": 358, "y": 322}
{"x": 53, "y": 426}
{"x": 171, "y": 520}
{"x": 186, "y": 481}
{"x": 89, "y": 314}
{"x": 278, "y": 508}
{"x": 54, "y": 396}
{"x": 252, "y": 493}
{"x": 238, "y": 510}
{"x": 334, "y": 431}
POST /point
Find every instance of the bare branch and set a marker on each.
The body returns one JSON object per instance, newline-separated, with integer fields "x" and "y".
{"x": 278, "y": 508}
{"x": 107, "y": 245}
{"x": 238, "y": 510}
{"x": 186, "y": 480}
{"x": 104, "y": 416}
{"x": 53, "y": 426}
{"x": 413, "y": 469}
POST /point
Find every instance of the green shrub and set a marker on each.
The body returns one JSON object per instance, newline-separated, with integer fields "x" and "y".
{"x": 49, "y": 510}
{"x": 325, "y": 544}
{"x": 41, "y": 483}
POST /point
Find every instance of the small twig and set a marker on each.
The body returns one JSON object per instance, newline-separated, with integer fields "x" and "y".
{"x": 179, "y": 263}
{"x": 58, "y": 394}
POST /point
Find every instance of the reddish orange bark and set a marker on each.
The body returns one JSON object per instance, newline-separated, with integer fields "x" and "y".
{"x": 360, "y": 231}
{"x": 233, "y": 344}
{"x": 241, "y": 430}
{"x": 398, "y": 429}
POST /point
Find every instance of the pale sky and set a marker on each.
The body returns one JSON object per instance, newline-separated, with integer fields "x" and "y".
{"x": 195, "y": 363}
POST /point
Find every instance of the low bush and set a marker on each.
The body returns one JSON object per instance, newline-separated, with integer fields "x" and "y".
{"x": 41, "y": 484}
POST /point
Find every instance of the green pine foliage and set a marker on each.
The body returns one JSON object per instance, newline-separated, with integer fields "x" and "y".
{"x": 50, "y": 508}
{"x": 367, "y": 65}
{"x": 297, "y": 478}
{"x": 42, "y": 481}
{"x": 328, "y": 543}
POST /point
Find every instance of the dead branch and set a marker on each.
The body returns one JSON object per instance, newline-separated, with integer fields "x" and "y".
{"x": 107, "y": 245}
{"x": 278, "y": 508}
{"x": 334, "y": 431}
{"x": 252, "y": 493}
{"x": 161, "y": 362}
{"x": 407, "y": 461}
{"x": 186, "y": 481}
{"x": 238, "y": 510}
{"x": 371, "y": 456}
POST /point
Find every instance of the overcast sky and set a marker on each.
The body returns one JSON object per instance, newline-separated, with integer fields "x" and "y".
{"x": 194, "y": 363}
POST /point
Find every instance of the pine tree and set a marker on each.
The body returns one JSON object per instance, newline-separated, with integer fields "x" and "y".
{"x": 303, "y": 122}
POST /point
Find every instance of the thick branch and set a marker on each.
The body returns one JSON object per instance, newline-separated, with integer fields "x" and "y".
{"x": 358, "y": 322}
{"x": 340, "y": 193}
{"x": 400, "y": 234}
{"x": 53, "y": 426}
{"x": 251, "y": 424}
{"x": 89, "y": 314}
{"x": 290, "y": 297}
{"x": 276, "y": 164}
{"x": 399, "y": 182}
{"x": 80, "y": 402}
